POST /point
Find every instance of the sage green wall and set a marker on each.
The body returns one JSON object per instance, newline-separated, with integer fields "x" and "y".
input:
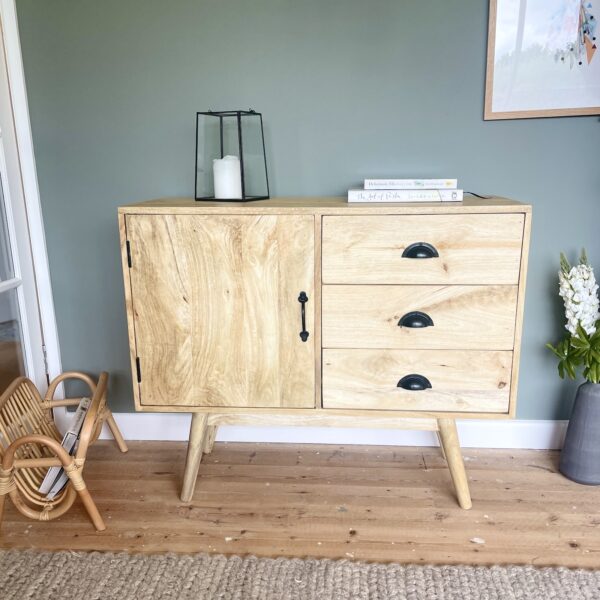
{"x": 348, "y": 89}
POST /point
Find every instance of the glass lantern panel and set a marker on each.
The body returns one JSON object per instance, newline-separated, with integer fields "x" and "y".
{"x": 209, "y": 148}
{"x": 231, "y": 140}
{"x": 218, "y": 136}
{"x": 255, "y": 170}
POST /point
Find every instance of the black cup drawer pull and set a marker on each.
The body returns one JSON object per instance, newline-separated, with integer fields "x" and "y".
{"x": 420, "y": 250}
{"x": 303, "y": 299}
{"x": 416, "y": 320}
{"x": 414, "y": 382}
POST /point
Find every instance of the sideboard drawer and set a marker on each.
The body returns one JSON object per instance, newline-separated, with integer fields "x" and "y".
{"x": 471, "y": 249}
{"x": 419, "y": 316}
{"x": 461, "y": 381}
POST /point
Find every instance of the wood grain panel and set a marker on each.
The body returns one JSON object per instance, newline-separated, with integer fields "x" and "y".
{"x": 473, "y": 249}
{"x": 129, "y": 306}
{"x": 161, "y": 289}
{"x": 460, "y": 380}
{"x": 324, "y": 206}
{"x": 519, "y": 315}
{"x": 325, "y": 418}
{"x": 464, "y": 317}
{"x": 216, "y": 311}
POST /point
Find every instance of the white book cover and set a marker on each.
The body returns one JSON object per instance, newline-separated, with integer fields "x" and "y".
{"x": 405, "y": 195}
{"x": 55, "y": 475}
{"x": 411, "y": 184}
{"x": 62, "y": 479}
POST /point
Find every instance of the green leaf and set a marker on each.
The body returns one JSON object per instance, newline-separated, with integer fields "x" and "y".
{"x": 581, "y": 334}
{"x": 564, "y": 263}
{"x": 554, "y": 350}
{"x": 591, "y": 373}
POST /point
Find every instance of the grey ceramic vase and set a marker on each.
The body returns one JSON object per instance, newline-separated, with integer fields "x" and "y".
{"x": 580, "y": 457}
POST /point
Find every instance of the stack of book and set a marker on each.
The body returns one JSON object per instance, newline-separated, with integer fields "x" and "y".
{"x": 407, "y": 190}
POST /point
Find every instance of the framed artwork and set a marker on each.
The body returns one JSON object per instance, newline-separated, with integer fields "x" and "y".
{"x": 543, "y": 59}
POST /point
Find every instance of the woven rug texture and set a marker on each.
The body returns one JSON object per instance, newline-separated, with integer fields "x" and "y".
{"x": 35, "y": 575}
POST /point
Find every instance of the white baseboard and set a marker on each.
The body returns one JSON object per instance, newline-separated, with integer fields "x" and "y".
{"x": 537, "y": 435}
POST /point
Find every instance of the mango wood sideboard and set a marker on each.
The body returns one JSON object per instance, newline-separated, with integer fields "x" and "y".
{"x": 313, "y": 311}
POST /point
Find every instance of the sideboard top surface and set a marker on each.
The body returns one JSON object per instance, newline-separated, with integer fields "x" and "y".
{"x": 322, "y": 205}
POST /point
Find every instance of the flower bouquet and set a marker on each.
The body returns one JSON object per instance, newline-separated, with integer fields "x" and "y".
{"x": 581, "y": 345}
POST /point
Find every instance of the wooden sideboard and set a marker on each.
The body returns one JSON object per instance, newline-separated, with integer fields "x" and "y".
{"x": 313, "y": 311}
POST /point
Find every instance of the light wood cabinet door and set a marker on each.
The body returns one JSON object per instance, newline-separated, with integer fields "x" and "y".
{"x": 216, "y": 310}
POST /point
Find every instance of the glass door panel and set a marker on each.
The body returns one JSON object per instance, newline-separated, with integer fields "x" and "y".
{"x": 13, "y": 350}
{"x": 12, "y": 360}
{"x": 22, "y": 347}
{"x": 6, "y": 262}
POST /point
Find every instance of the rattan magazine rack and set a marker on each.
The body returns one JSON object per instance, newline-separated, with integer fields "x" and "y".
{"x": 30, "y": 444}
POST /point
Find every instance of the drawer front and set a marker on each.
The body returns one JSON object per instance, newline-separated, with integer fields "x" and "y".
{"x": 419, "y": 317}
{"x": 473, "y": 249}
{"x": 461, "y": 381}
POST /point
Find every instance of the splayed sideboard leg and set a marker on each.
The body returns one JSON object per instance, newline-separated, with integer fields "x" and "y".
{"x": 451, "y": 447}
{"x": 194, "y": 454}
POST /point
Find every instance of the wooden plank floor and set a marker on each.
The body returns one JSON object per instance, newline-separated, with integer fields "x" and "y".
{"x": 365, "y": 503}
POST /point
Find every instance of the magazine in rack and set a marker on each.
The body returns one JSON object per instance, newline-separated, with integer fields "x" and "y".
{"x": 56, "y": 478}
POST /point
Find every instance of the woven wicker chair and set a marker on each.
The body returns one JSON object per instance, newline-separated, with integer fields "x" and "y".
{"x": 30, "y": 444}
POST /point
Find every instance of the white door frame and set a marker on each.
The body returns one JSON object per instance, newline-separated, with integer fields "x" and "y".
{"x": 29, "y": 182}
{"x": 22, "y": 282}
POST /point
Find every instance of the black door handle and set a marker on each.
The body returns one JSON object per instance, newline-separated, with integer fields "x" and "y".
{"x": 303, "y": 299}
{"x": 420, "y": 250}
{"x": 414, "y": 382}
{"x": 415, "y": 320}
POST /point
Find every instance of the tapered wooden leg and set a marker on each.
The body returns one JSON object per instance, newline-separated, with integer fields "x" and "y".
{"x": 451, "y": 445}
{"x": 2, "y": 502}
{"x": 74, "y": 474}
{"x": 114, "y": 429}
{"x": 194, "y": 455}
{"x": 6, "y": 483}
{"x": 92, "y": 509}
{"x": 439, "y": 437}
{"x": 209, "y": 438}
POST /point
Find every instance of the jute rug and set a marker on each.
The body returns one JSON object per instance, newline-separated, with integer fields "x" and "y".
{"x": 98, "y": 576}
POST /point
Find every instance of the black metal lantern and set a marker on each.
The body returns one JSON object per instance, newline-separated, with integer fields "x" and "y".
{"x": 231, "y": 161}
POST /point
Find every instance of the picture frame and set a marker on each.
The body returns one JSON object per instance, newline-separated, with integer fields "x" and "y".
{"x": 542, "y": 59}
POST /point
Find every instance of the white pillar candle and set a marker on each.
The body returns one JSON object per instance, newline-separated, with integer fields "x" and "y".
{"x": 228, "y": 177}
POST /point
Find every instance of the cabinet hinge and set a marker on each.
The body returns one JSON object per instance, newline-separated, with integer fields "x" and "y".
{"x": 138, "y": 368}
{"x": 128, "y": 246}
